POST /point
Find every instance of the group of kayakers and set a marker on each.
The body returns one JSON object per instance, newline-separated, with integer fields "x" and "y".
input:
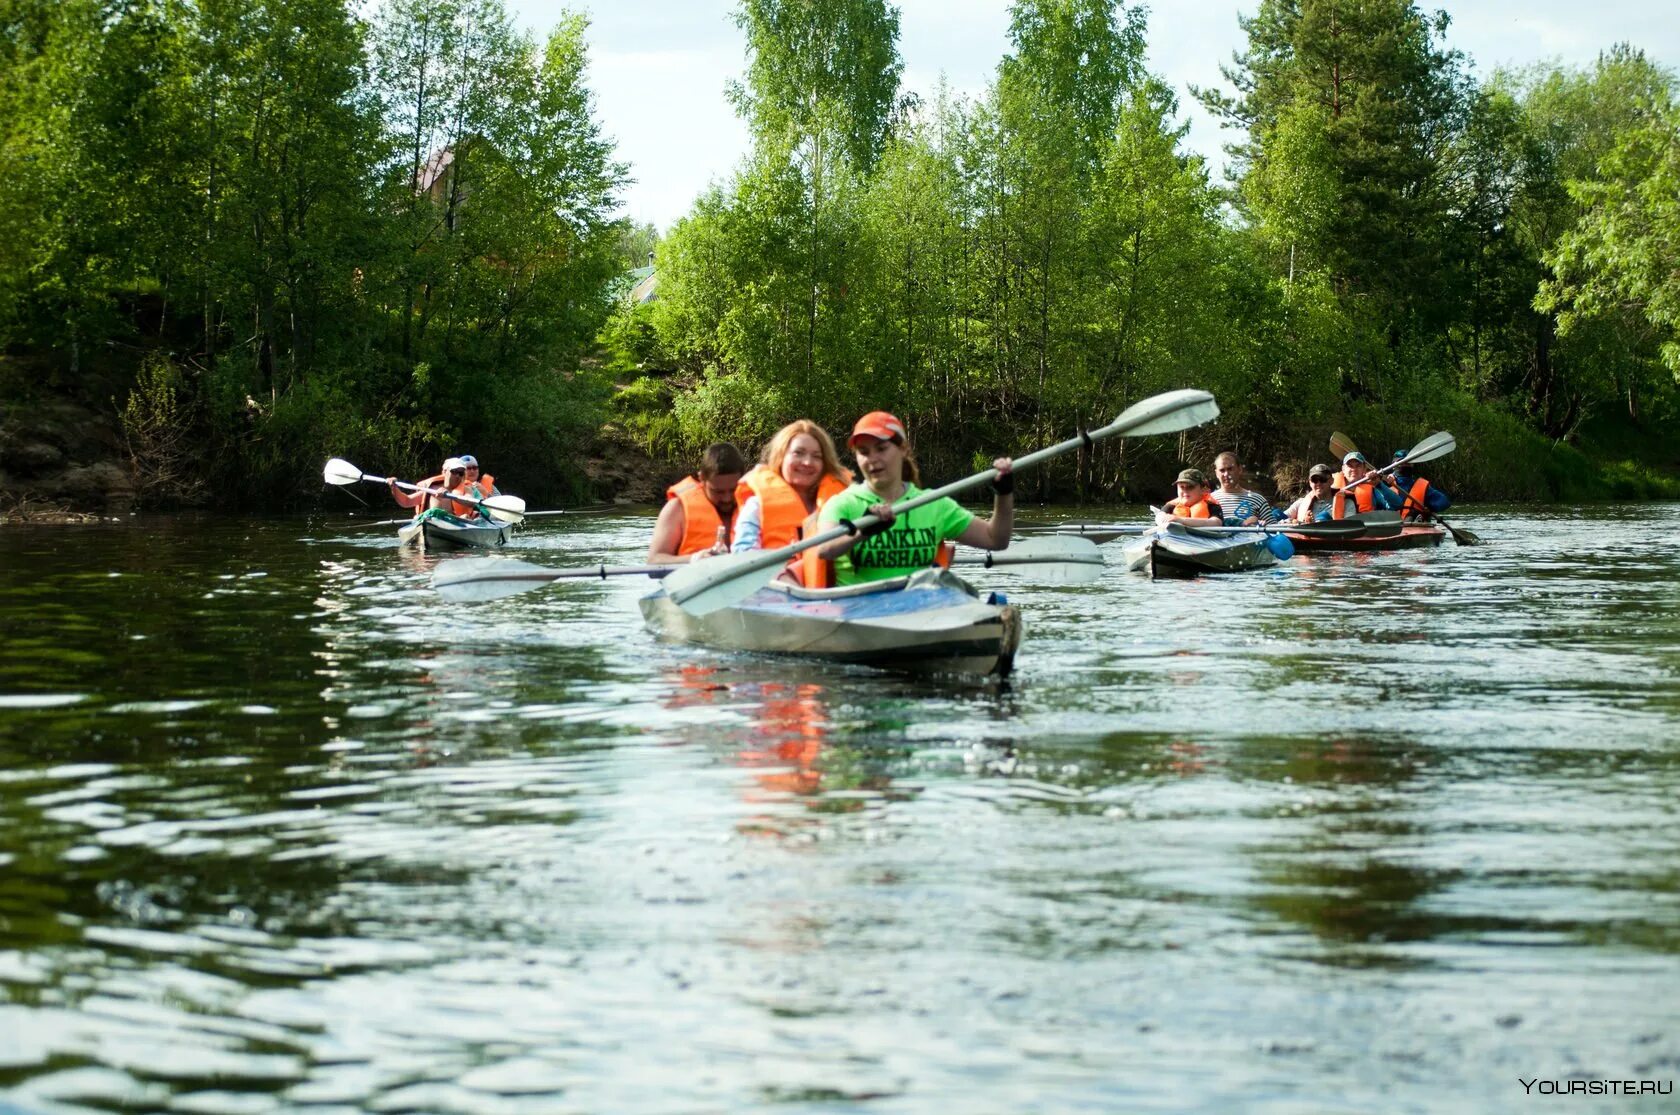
{"x": 1354, "y": 490}
{"x": 460, "y": 479}
{"x": 799, "y": 487}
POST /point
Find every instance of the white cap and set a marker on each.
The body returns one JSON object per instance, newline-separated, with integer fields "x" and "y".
{"x": 454, "y": 463}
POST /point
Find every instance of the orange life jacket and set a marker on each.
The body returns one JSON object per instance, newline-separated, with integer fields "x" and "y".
{"x": 455, "y": 507}
{"x": 1197, "y": 510}
{"x": 700, "y": 517}
{"x": 1362, "y": 499}
{"x": 1414, "y": 504}
{"x": 781, "y": 509}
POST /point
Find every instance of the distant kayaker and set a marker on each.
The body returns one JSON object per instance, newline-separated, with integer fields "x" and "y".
{"x": 800, "y": 471}
{"x": 1315, "y": 506}
{"x": 1421, "y": 498}
{"x": 1194, "y": 505}
{"x": 1353, "y": 497}
{"x": 699, "y": 513}
{"x": 900, "y": 544}
{"x": 447, "y": 478}
{"x": 1241, "y": 506}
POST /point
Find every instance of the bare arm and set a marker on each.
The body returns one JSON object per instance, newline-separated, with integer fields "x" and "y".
{"x": 667, "y": 535}
{"x": 993, "y": 533}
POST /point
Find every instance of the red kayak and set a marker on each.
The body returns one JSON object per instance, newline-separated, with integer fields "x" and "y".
{"x": 1380, "y": 536}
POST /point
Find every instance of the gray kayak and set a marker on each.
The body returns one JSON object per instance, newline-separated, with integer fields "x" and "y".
{"x": 931, "y": 622}
{"x": 437, "y": 531}
{"x": 1181, "y": 552}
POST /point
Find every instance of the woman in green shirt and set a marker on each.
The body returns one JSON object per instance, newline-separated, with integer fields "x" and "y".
{"x": 902, "y": 544}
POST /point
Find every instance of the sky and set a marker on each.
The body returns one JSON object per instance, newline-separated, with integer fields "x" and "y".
{"x": 659, "y": 67}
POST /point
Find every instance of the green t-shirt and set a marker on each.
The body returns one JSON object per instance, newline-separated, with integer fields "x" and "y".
{"x": 911, "y": 543}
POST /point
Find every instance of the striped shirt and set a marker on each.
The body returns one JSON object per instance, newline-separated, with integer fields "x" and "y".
{"x": 1242, "y": 506}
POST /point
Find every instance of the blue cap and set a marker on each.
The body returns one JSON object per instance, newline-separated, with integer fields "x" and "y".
{"x": 1399, "y": 454}
{"x": 1356, "y": 456}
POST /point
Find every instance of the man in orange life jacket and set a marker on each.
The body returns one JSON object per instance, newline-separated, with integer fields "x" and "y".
{"x": 698, "y": 519}
{"x": 1422, "y": 499}
{"x": 1354, "y": 498}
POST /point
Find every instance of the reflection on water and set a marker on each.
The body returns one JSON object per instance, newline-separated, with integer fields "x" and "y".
{"x": 280, "y": 831}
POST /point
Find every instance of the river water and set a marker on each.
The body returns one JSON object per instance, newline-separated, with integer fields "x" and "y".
{"x": 279, "y": 831}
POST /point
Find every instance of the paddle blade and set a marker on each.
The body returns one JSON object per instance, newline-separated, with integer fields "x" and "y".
{"x": 504, "y": 509}
{"x": 1059, "y": 560}
{"x": 1341, "y": 445}
{"x": 1167, "y": 413}
{"x": 340, "y": 472}
{"x": 1431, "y": 447}
{"x": 718, "y": 582}
{"x": 476, "y": 580}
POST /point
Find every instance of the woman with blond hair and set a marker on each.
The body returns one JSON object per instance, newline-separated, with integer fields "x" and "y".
{"x": 799, "y": 472}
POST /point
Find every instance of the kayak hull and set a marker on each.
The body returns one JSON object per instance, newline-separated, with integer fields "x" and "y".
{"x": 435, "y": 533}
{"x": 931, "y": 622}
{"x": 1410, "y": 536}
{"x": 1179, "y": 554}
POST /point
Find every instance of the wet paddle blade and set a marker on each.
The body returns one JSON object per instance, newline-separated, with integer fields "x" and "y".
{"x": 476, "y": 580}
{"x": 340, "y": 472}
{"x": 719, "y": 582}
{"x": 1461, "y": 536}
{"x": 1057, "y": 560}
{"x": 504, "y": 509}
{"x": 1167, "y": 413}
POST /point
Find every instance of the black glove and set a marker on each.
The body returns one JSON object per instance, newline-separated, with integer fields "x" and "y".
{"x": 868, "y": 530}
{"x": 1004, "y": 484}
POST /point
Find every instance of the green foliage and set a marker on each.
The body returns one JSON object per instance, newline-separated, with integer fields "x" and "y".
{"x": 159, "y": 428}
{"x": 642, "y": 409}
{"x": 374, "y": 239}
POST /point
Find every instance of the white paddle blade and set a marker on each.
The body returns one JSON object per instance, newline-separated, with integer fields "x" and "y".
{"x": 1066, "y": 560}
{"x": 340, "y": 472}
{"x": 1434, "y": 446}
{"x": 476, "y": 580}
{"x": 717, "y": 582}
{"x": 1168, "y": 412}
{"x": 504, "y": 509}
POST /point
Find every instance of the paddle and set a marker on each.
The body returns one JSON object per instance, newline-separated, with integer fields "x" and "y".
{"x": 1341, "y": 445}
{"x": 504, "y": 509}
{"x": 1064, "y": 560}
{"x": 476, "y": 580}
{"x": 609, "y": 508}
{"x": 1342, "y": 528}
{"x": 705, "y": 586}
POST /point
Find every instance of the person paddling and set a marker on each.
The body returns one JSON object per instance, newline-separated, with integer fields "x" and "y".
{"x": 1240, "y": 505}
{"x": 1315, "y": 506}
{"x": 1375, "y": 495}
{"x": 800, "y": 472}
{"x": 447, "y": 479}
{"x": 1194, "y": 505}
{"x": 1421, "y": 499}
{"x": 900, "y": 544}
{"x": 699, "y": 513}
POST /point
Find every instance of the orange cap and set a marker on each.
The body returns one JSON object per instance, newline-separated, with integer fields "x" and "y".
{"x": 878, "y": 424}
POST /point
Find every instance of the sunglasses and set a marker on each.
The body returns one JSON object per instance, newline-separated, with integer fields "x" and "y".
{"x": 1318, "y": 480}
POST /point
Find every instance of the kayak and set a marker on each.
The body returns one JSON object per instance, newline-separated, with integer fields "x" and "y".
{"x": 1380, "y": 536}
{"x": 930, "y": 622}
{"x": 1179, "y": 551}
{"x": 439, "y": 530}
